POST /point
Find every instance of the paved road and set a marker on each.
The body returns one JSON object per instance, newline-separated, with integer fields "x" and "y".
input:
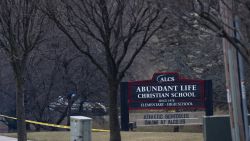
{"x": 2, "y": 138}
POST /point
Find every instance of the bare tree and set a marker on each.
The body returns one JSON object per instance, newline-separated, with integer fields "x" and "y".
{"x": 20, "y": 32}
{"x": 55, "y": 71}
{"x": 207, "y": 15}
{"x": 187, "y": 46}
{"x": 40, "y": 83}
{"x": 111, "y": 33}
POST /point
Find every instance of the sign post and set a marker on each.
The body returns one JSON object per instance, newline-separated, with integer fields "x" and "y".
{"x": 124, "y": 106}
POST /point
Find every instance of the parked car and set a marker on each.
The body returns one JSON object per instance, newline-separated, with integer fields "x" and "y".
{"x": 79, "y": 107}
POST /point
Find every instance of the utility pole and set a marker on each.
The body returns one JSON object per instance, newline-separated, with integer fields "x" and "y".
{"x": 242, "y": 79}
{"x": 232, "y": 74}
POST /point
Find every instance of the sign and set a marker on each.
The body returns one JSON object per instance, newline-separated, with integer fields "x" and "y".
{"x": 155, "y": 119}
{"x": 165, "y": 91}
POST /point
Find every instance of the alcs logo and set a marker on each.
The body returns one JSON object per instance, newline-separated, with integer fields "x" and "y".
{"x": 165, "y": 78}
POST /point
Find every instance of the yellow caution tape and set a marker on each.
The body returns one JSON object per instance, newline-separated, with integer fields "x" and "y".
{"x": 48, "y": 124}
{"x": 51, "y": 125}
{"x": 100, "y": 130}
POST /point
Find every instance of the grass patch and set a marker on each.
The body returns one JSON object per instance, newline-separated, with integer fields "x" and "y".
{"x": 190, "y": 128}
{"x": 126, "y": 136}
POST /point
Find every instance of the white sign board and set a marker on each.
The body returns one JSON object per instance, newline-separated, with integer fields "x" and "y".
{"x": 176, "y": 118}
